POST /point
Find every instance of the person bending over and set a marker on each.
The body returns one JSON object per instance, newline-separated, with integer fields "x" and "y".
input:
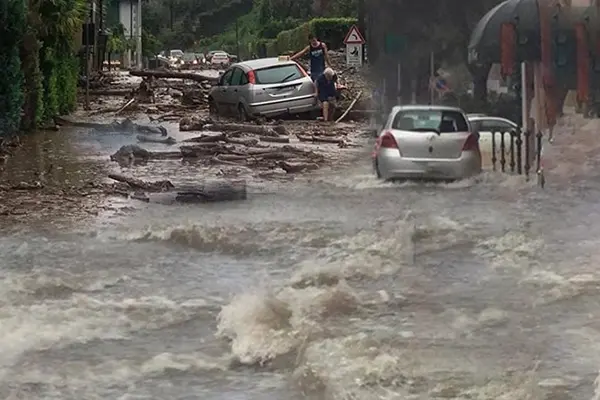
{"x": 319, "y": 59}
{"x": 327, "y": 93}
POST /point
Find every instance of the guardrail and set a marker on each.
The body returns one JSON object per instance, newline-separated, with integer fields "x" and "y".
{"x": 519, "y": 150}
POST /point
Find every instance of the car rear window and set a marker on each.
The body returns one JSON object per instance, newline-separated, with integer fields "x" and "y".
{"x": 278, "y": 74}
{"x": 430, "y": 120}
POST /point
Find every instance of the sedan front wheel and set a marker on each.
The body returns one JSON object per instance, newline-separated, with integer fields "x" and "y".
{"x": 212, "y": 108}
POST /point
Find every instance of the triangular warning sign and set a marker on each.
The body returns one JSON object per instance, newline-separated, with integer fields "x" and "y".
{"x": 354, "y": 36}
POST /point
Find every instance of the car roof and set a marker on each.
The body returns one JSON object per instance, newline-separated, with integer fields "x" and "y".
{"x": 416, "y": 107}
{"x": 263, "y": 63}
{"x": 488, "y": 117}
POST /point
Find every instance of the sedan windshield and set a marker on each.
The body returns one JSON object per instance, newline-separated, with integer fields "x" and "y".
{"x": 430, "y": 121}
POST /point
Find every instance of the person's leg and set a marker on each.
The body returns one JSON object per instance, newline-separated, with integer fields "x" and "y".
{"x": 331, "y": 103}
{"x": 325, "y": 106}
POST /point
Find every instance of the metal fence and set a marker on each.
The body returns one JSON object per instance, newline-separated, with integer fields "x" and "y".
{"x": 512, "y": 152}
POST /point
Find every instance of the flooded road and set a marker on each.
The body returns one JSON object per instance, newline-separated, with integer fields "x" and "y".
{"x": 333, "y": 286}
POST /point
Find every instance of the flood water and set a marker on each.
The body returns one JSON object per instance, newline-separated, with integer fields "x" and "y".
{"x": 333, "y": 286}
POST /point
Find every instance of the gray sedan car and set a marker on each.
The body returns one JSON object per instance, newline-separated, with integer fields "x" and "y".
{"x": 264, "y": 87}
{"x": 426, "y": 142}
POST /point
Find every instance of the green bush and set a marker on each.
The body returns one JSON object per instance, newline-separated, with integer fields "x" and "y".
{"x": 12, "y": 26}
{"x": 49, "y": 71}
{"x": 332, "y": 31}
{"x": 11, "y": 93}
{"x": 67, "y": 77}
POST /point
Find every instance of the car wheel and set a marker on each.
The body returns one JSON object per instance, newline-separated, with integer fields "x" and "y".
{"x": 212, "y": 108}
{"x": 242, "y": 113}
{"x": 377, "y": 172}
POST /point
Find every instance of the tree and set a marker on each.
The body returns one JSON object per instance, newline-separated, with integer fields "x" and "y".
{"x": 12, "y": 27}
{"x": 116, "y": 42}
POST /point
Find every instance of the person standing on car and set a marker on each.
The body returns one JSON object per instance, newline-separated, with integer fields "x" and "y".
{"x": 319, "y": 59}
{"x": 327, "y": 93}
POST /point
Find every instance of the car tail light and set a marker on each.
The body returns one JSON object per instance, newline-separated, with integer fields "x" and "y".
{"x": 251, "y": 77}
{"x": 472, "y": 143}
{"x": 387, "y": 141}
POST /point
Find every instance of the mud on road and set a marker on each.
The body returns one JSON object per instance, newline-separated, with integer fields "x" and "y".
{"x": 62, "y": 175}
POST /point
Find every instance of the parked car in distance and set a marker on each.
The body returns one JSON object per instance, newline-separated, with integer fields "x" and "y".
{"x": 219, "y": 60}
{"x": 176, "y": 54}
{"x": 426, "y": 142}
{"x": 263, "y": 87}
{"x": 489, "y": 128}
{"x": 192, "y": 60}
{"x": 212, "y": 52}
{"x": 159, "y": 62}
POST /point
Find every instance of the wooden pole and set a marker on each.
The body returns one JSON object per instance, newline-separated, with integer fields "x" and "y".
{"x": 431, "y": 76}
{"x": 87, "y": 63}
{"x": 362, "y": 24}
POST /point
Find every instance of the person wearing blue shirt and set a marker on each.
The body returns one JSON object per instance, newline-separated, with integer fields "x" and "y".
{"x": 319, "y": 59}
{"x": 327, "y": 93}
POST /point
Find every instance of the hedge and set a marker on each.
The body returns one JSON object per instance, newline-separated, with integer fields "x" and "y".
{"x": 332, "y": 31}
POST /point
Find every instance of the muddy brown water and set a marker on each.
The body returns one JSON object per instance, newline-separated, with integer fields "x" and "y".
{"x": 331, "y": 286}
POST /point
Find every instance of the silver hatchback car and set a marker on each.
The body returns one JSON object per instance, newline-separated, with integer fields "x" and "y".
{"x": 426, "y": 142}
{"x": 264, "y": 87}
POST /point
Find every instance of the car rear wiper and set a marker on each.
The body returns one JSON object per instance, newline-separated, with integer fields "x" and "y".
{"x": 288, "y": 77}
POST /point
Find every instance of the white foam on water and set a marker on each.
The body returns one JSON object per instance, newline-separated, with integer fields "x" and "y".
{"x": 511, "y": 250}
{"x": 317, "y": 324}
{"x": 95, "y": 380}
{"x": 48, "y": 313}
{"x": 237, "y": 239}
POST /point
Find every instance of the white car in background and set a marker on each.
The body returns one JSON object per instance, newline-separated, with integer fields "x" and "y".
{"x": 220, "y": 60}
{"x": 488, "y": 127}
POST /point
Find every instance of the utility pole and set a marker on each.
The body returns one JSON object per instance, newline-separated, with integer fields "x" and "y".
{"x": 87, "y": 63}
{"x": 139, "y": 35}
{"x": 130, "y": 53}
{"x": 100, "y": 28}
{"x": 95, "y": 38}
{"x": 362, "y": 26}
{"x": 431, "y": 78}
{"x": 237, "y": 39}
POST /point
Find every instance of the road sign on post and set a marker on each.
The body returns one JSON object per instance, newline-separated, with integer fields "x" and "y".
{"x": 354, "y": 42}
{"x": 354, "y": 55}
{"x": 354, "y": 36}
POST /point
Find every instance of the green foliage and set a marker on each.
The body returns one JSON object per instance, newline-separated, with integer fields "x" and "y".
{"x": 150, "y": 44}
{"x": 11, "y": 93}
{"x": 39, "y": 68}
{"x": 272, "y": 27}
{"x": 273, "y": 11}
{"x": 37, "y": 93}
{"x": 56, "y": 78}
{"x": 67, "y": 76}
{"x": 50, "y": 93}
{"x": 12, "y": 26}
{"x": 330, "y": 30}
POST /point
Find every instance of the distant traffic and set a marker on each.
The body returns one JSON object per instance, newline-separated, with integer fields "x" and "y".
{"x": 178, "y": 59}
